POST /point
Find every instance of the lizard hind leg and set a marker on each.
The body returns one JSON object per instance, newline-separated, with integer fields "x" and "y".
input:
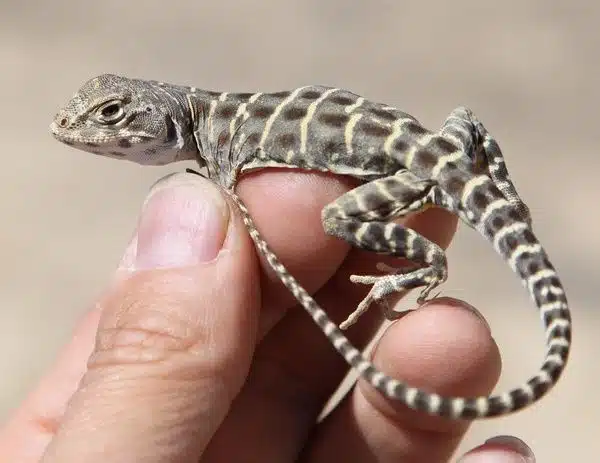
{"x": 359, "y": 217}
{"x": 465, "y": 130}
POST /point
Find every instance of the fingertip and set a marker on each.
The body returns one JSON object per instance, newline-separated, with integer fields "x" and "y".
{"x": 286, "y": 207}
{"x": 184, "y": 221}
{"x": 444, "y": 346}
{"x": 177, "y": 331}
{"x": 500, "y": 449}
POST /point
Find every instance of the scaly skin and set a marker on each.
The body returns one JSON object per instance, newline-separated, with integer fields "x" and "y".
{"x": 403, "y": 168}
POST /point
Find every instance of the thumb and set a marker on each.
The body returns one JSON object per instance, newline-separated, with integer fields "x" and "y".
{"x": 175, "y": 337}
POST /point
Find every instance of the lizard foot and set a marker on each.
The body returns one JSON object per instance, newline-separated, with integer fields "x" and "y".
{"x": 395, "y": 282}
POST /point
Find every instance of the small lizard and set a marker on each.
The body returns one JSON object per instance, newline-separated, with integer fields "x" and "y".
{"x": 403, "y": 168}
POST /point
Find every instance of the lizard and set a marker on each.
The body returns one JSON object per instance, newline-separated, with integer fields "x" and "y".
{"x": 401, "y": 168}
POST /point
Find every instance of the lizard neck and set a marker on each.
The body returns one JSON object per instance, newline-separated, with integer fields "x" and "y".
{"x": 180, "y": 122}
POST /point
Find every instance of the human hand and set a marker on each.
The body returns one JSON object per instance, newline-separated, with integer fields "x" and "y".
{"x": 192, "y": 356}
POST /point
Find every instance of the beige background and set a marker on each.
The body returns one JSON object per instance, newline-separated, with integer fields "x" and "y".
{"x": 530, "y": 71}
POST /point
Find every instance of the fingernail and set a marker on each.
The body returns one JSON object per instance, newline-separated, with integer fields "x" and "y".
{"x": 184, "y": 222}
{"x": 464, "y": 305}
{"x": 477, "y": 313}
{"x": 515, "y": 444}
{"x": 500, "y": 449}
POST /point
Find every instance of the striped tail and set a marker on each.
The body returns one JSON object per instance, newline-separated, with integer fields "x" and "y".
{"x": 517, "y": 244}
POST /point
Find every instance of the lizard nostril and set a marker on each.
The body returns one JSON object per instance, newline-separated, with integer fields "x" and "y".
{"x": 63, "y": 122}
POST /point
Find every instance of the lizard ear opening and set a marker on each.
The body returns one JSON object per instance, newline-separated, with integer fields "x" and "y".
{"x": 171, "y": 132}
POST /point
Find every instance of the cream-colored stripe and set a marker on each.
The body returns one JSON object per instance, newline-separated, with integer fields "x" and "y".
{"x": 349, "y": 132}
{"x": 471, "y": 185}
{"x": 241, "y": 110}
{"x": 508, "y": 230}
{"x": 538, "y": 276}
{"x": 491, "y": 207}
{"x": 353, "y": 106}
{"x": 309, "y": 115}
{"x": 416, "y": 146}
{"x": 396, "y": 131}
{"x": 520, "y": 250}
{"x": 443, "y": 160}
{"x": 273, "y": 116}
{"x": 209, "y": 121}
{"x": 254, "y": 97}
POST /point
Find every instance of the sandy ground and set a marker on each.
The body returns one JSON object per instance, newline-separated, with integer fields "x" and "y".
{"x": 529, "y": 70}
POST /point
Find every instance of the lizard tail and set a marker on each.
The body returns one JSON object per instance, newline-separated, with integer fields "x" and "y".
{"x": 523, "y": 251}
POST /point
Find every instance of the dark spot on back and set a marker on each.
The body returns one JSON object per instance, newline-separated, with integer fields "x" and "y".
{"x": 293, "y": 113}
{"x": 401, "y": 146}
{"x": 310, "y": 95}
{"x": 213, "y": 94}
{"x": 243, "y": 96}
{"x": 383, "y": 114}
{"x": 124, "y": 143}
{"x": 442, "y": 145}
{"x": 282, "y": 94}
{"x": 415, "y": 128}
{"x": 286, "y": 140}
{"x": 261, "y": 111}
{"x": 342, "y": 100}
{"x": 375, "y": 130}
{"x": 226, "y": 111}
{"x": 455, "y": 185}
{"x": 426, "y": 158}
{"x": 334, "y": 119}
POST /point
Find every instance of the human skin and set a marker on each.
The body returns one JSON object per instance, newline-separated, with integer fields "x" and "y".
{"x": 196, "y": 352}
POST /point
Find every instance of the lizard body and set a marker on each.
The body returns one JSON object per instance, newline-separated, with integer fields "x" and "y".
{"x": 402, "y": 166}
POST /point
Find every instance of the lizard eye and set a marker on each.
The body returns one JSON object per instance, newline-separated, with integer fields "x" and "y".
{"x": 111, "y": 112}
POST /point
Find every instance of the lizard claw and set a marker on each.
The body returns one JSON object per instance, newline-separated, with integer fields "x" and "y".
{"x": 384, "y": 285}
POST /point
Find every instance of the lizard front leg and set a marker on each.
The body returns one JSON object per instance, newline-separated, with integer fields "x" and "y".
{"x": 362, "y": 216}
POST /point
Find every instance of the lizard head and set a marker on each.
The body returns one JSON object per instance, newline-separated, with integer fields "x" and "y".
{"x": 126, "y": 119}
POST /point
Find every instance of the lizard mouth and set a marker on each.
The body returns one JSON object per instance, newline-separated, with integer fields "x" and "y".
{"x": 72, "y": 138}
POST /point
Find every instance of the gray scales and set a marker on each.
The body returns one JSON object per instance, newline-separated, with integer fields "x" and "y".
{"x": 403, "y": 168}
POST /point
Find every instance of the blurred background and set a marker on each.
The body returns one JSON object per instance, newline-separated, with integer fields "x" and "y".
{"x": 529, "y": 70}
